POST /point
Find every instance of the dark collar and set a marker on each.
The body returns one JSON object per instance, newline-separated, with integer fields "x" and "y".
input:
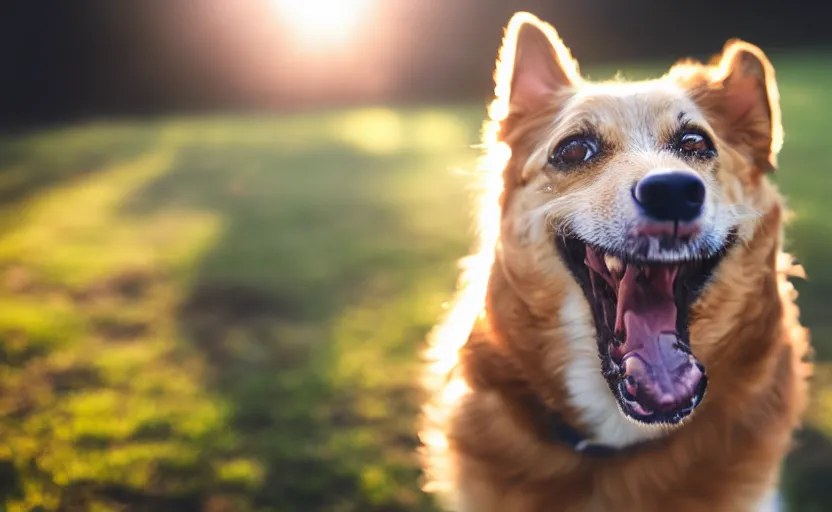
{"x": 557, "y": 430}
{"x": 554, "y": 428}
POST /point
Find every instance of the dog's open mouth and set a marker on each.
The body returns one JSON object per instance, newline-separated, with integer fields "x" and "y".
{"x": 641, "y": 312}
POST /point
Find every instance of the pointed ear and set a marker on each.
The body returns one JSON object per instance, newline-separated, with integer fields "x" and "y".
{"x": 534, "y": 64}
{"x": 742, "y": 97}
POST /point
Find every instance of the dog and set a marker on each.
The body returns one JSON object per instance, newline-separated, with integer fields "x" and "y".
{"x": 625, "y": 336}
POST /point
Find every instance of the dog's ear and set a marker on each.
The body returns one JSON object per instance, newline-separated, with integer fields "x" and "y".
{"x": 740, "y": 95}
{"x": 533, "y": 65}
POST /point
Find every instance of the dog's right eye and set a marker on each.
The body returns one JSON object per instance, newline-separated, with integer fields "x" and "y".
{"x": 574, "y": 151}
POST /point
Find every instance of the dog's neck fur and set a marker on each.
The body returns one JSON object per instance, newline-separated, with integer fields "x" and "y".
{"x": 504, "y": 360}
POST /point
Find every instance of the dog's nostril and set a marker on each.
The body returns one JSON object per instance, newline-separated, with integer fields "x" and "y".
{"x": 675, "y": 196}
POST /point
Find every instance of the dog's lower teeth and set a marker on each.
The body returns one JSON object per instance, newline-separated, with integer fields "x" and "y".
{"x": 614, "y": 265}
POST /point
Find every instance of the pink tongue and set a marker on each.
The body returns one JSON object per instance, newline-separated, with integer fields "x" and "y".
{"x": 645, "y": 311}
{"x": 661, "y": 374}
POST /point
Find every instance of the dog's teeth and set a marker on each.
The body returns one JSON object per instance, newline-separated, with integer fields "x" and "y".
{"x": 614, "y": 265}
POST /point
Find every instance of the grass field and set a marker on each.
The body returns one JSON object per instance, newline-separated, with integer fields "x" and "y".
{"x": 224, "y": 314}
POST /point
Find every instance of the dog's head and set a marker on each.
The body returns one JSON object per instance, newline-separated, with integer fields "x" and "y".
{"x": 632, "y": 193}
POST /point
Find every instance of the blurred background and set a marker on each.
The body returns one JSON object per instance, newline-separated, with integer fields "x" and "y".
{"x": 226, "y": 227}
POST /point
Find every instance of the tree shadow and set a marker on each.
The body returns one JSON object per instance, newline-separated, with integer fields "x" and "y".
{"x": 32, "y": 162}
{"x": 302, "y": 236}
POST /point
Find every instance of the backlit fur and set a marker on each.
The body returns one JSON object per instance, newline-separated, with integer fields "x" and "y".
{"x": 520, "y": 325}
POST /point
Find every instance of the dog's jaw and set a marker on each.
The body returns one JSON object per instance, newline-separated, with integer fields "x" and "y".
{"x": 588, "y": 391}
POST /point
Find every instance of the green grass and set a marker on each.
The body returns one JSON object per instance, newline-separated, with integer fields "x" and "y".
{"x": 225, "y": 313}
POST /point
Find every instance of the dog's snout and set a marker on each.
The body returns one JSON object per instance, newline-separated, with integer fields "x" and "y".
{"x": 676, "y": 196}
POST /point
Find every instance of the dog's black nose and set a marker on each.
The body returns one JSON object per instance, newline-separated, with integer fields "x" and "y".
{"x": 671, "y": 195}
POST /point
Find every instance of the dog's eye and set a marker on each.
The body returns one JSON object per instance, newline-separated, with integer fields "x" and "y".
{"x": 695, "y": 144}
{"x": 574, "y": 151}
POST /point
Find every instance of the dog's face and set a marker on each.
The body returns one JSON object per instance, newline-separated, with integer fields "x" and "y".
{"x": 633, "y": 193}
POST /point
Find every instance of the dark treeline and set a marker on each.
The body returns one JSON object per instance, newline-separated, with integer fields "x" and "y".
{"x": 75, "y": 59}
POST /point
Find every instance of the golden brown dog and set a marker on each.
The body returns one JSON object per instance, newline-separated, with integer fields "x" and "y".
{"x": 625, "y": 337}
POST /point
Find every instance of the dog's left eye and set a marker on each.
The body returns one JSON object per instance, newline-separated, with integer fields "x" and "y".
{"x": 573, "y": 151}
{"x": 696, "y": 144}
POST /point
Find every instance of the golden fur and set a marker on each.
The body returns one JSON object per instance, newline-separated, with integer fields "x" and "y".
{"x": 520, "y": 326}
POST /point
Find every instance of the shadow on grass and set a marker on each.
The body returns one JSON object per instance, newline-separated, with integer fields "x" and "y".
{"x": 33, "y": 162}
{"x": 311, "y": 241}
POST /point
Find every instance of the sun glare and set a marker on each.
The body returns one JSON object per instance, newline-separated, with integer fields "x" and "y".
{"x": 323, "y": 23}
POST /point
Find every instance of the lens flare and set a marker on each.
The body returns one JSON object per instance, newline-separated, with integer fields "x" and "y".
{"x": 318, "y": 24}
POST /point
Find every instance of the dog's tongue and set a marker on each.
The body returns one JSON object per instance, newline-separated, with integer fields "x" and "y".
{"x": 659, "y": 369}
{"x": 645, "y": 304}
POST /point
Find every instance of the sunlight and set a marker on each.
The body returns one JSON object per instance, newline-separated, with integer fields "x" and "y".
{"x": 323, "y": 23}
